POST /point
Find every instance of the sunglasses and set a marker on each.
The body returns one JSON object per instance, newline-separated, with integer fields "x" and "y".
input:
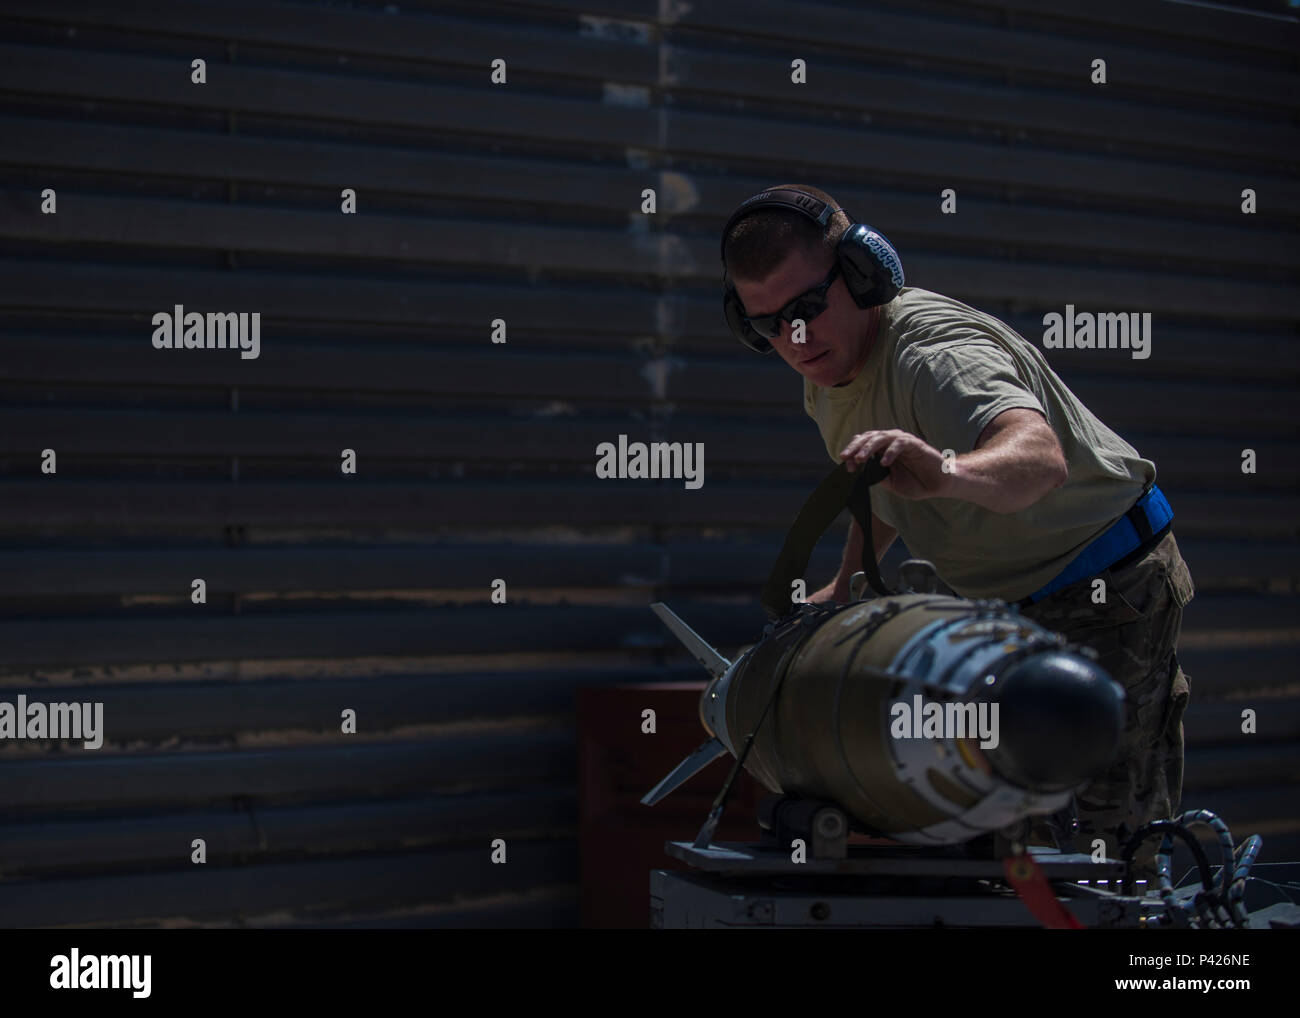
{"x": 807, "y": 305}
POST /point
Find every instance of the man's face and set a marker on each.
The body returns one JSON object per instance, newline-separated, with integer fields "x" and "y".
{"x": 835, "y": 342}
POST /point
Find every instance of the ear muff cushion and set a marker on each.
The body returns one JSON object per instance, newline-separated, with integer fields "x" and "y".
{"x": 734, "y": 311}
{"x": 871, "y": 266}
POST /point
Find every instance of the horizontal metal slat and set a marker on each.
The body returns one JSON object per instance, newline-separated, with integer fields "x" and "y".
{"x": 90, "y": 572}
{"x": 498, "y": 111}
{"x": 210, "y": 893}
{"x": 950, "y": 42}
{"x": 1220, "y": 721}
{"x": 1259, "y": 411}
{"x": 205, "y": 711}
{"x": 121, "y": 781}
{"x": 1218, "y": 562}
{"x": 867, "y": 90}
{"x": 1244, "y": 806}
{"x": 135, "y": 571}
{"x": 1062, "y": 232}
{"x": 300, "y": 297}
{"x": 1213, "y": 767}
{"x": 46, "y": 643}
{"x": 397, "y": 368}
{"x": 426, "y": 37}
{"x": 1237, "y": 670}
{"x": 444, "y": 630}
{"x": 481, "y": 438}
{"x": 174, "y": 225}
{"x": 1264, "y": 355}
{"x": 550, "y": 908}
{"x": 25, "y": 505}
{"x": 238, "y": 836}
{"x": 1214, "y": 462}
{"x": 1246, "y": 516}
{"x": 148, "y": 152}
{"x": 1211, "y": 24}
{"x": 1243, "y": 612}
{"x": 949, "y": 162}
{"x": 1104, "y": 288}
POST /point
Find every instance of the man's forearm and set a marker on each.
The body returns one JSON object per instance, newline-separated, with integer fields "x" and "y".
{"x": 1007, "y": 477}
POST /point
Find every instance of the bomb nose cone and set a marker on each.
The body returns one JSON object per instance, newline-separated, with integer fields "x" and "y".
{"x": 1060, "y": 719}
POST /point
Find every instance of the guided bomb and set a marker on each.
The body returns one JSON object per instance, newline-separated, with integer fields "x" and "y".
{"x": 826, "y": 702}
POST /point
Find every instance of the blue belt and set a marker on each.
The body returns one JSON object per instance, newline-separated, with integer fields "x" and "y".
{"x": 1137, "y": 530}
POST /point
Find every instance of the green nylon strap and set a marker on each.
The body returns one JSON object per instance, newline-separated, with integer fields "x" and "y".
{"x": 840, "y": 488}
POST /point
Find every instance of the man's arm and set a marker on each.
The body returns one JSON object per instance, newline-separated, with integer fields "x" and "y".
{"x": 1016, "y": 461}
{"x": 838, "y": 589}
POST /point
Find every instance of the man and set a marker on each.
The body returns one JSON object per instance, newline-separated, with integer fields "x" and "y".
{"x": 998, "y": 475}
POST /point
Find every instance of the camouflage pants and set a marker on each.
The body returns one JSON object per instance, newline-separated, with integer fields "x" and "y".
{"x": 1135, "y": 633}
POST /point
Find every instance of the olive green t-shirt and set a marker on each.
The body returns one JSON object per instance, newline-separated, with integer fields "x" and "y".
{"x": 942, "y": 371}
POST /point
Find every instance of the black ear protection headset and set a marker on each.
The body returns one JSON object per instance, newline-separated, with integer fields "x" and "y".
{"x": 871, "y": 268}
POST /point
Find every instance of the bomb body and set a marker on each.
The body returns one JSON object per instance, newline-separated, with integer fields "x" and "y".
{"x": 848, "y": 681}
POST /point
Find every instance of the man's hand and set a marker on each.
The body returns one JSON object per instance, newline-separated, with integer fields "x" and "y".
{"x": 915, "y": 468}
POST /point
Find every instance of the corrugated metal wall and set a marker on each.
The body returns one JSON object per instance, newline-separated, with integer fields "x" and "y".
{"x": 522, "y": 201}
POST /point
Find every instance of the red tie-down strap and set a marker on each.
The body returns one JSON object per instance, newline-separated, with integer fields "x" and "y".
{"x": 1030, "y": 883}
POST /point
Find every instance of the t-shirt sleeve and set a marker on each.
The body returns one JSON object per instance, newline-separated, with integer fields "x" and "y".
{"x": 958, "y": 388}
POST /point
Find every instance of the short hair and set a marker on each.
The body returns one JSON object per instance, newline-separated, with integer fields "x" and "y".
{"x": 760, "y": 241}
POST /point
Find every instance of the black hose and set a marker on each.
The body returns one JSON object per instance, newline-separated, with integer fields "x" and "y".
{"x": 1168, "y": 827}
{"x": 1214, "y": 910}
{"x": 1246, "y": 855}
